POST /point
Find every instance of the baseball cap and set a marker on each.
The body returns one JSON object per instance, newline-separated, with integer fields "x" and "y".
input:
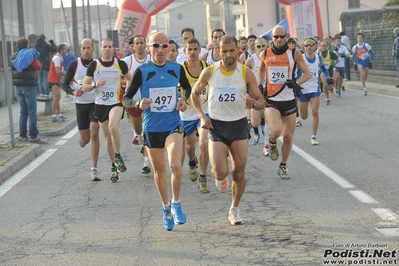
{"x": 42, "y": 36}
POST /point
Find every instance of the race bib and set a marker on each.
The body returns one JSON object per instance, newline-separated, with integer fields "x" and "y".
{"x": 163, "y": 99}
{"x": 277, "y": 75}
{"x": 364, "y": 56}
{"x": 327, "y": 65}
{"x": 226, "y": 93}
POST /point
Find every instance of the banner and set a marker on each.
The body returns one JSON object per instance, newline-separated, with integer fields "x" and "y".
{"x": 304, "y": 18}
{"x": 134, "y": 18}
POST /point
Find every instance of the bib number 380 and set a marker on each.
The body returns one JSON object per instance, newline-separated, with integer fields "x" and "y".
{"x": 107, "y": 94}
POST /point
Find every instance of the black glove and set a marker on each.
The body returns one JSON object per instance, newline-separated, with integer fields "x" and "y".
{"x": 330, "y": 81}
{"x": 370, "y": 65}
{"x": 290, "y": 83}
{"x": 355, "y": 67}
{"x": 297, "y": 91}
{"x": 51, "y": 41}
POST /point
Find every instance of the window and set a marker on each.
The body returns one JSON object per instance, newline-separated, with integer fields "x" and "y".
{"x": 179, "y": 16}
{"x": 353, "y": 3}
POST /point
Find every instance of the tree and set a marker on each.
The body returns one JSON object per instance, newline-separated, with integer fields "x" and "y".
{"x": 390, "y": 15}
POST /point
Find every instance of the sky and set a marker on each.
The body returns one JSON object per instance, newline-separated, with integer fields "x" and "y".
{"x": 67, "y": 3}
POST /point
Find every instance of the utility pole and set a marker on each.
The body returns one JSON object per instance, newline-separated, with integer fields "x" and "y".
{"x": 89, "y": 18}
{"x": 75, "y": 29}
{"x": 6, "y": 75}
{"x": 84, "y": 19}
{"x": 21, "y": 23}
{"x": 99, "y": 21}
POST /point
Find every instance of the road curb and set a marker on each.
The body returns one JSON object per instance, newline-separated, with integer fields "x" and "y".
{"x": 31, "y": 152}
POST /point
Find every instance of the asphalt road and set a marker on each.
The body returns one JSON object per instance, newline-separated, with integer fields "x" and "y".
{"x": 339, "y": 193}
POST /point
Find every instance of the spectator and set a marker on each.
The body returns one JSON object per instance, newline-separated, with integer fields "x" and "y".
{"x": 45, "y": 49}
{"x": 345, "y": 40}
{"x": 395, "y": 50}
{"x": 25, "y": 81}
{"x": 68, "y": 58}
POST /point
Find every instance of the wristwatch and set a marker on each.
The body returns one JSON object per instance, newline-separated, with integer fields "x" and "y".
{"x": 138, "y": 104}
{"x": 254, "y": 104}
{"x": 93, "y": 84}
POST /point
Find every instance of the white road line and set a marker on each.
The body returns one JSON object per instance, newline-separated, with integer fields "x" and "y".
{"x": 61, "y": 142}
{"x": 363, "y": 197}
{"x": 71, "y": 133}
{"x": 25, "y": 171}
{"x": 322, "y": 168}
{"x": 385, "y": 214}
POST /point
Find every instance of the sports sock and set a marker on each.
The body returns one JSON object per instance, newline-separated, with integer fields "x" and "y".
{"x": 256, "y": 130}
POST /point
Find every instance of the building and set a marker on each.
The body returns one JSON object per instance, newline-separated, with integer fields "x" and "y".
{"x": 102, "y": 20}
{"x": 181, "y": 14}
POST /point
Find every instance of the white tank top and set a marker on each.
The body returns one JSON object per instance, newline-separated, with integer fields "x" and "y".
{"x": 77, "y": 81}
{"x": 209, "y": 58}
{"x": 312, "y": 85}
{"x": 133, "y": 63}
{"x": 111, "y": 92}
{"x": 226, "y": 93}
{"x": 255, "y": 69}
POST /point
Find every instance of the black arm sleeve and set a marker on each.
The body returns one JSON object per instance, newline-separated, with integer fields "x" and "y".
{"x": 123, "y": 66}
{"x": 132, "y": 89}
{"x": 184, "y": 83}
{"x": 65, "y": 85}
{"x": 90, "y": 69}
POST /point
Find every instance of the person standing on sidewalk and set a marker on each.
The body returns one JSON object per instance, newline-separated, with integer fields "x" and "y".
{"x": 87, "y": 123}
{"x": 55, "y": 75}
{"x": 278, "y": 62}
{"x": 46, "y": 49}
{"x": 363, "y": 57}
{"x": 162, "y": 127}
{"x": 395, "y": 50}
{"x": 104, "y": 77}
{"x": 25, "y": 81}
{"x": 227, "y": 82}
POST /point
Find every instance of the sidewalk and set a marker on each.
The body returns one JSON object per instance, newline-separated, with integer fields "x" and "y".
{"x": 13, "y": 159}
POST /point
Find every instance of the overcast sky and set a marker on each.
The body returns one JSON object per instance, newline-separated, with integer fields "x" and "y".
{"x": 67, "y": 3}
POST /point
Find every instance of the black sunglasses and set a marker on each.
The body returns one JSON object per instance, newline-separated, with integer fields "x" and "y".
{"x": 309, "y": 45}
{"x": 260, "y": 45}
{"x": 157, "y": 45}
{"x": 279, "y": 36}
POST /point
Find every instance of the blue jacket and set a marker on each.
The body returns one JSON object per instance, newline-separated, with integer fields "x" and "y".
{"x": 25, "y": 58}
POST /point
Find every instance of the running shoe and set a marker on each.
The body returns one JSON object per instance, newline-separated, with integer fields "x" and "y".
{"x": 95, "y": 176}
{"x": 298, "y": 123}
{"x": 56, "y": 119}
{"x": 314, "y": 141}
{"x": 365, "y": 93}
{"x": 203, "y": 187}
{"x": 168, "y": 221}
{"x": 266, "y": 150}
{"x": 135, "y": 140}
{"x": 120, "y": 164}
{"x": 38, "y": 140}
{"x": 328, "y": 102}
{"x": 273, "y": 152}
{"x": 255, "y": 141}
{"x": 343, "y": 88}
{"x": 178, "y": 214}
{"x": 338, "y": 94}
{"x": 114, "y": 175}
{"x": 146, "y": 168}
{"x": 282, "y": 172}
{"x": 234, "y": 217}
{"x": 61, "y": 116}
{"x": 81, "y": 143}
{"x": 192, "y": 172}
{"x": 222, "y": 185}
{"x": 23, "y": 139}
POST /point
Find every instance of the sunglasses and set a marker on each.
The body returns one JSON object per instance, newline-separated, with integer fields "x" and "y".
{"x": 309, "y": 45}
{"x": 157, "y": 45}
{"x": 260, "y": 45}
{"x": 279, "y": 36}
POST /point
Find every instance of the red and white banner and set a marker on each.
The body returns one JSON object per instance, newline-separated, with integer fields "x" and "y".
{"x": 304, "y": 18}
{"x": 134, "y": 18}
